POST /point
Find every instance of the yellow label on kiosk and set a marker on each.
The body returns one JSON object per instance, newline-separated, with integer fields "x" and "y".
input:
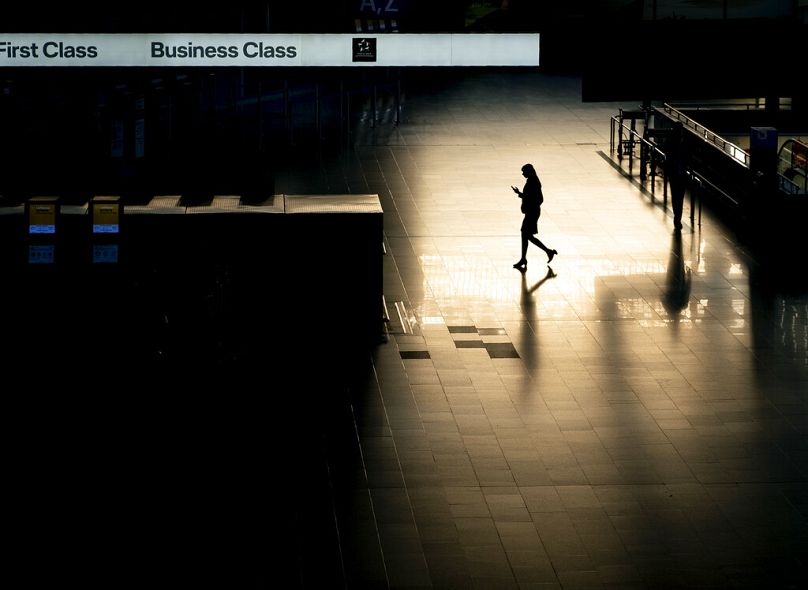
{"x": 106, "y": 213}
{"x": 42, "y": 215}
{"x": 105, "y": 218}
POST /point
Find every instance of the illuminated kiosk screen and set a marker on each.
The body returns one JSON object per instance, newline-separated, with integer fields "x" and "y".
{"x": 105, "y": 253}
{"x": 41, "y": 254}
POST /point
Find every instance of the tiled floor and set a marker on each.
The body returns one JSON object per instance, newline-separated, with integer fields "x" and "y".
{"x": 195, "y": 416}
{"x": 635, "y": 418}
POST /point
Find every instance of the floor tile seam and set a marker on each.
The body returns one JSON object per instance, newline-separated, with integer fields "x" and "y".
{"x": 502, "y": 544}
{"x": 368, "y": 490}
{"x": 401, "y": 173}
{"x": 400, "y": 468}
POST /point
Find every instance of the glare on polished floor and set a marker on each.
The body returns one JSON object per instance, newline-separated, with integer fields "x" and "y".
{"x": 633, "y": 416}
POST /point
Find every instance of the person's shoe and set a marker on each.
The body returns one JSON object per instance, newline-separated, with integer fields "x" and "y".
{"x": 521, "y": 265}
{"x": 551, "y": 255}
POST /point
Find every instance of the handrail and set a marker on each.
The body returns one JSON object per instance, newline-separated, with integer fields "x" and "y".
{"x": 799, "y": 142}
{"x": 728, "y": 106}
{"x": 734, "y": 151}
{"x": 702, "y": 181}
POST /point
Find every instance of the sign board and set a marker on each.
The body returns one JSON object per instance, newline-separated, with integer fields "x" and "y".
{"x": 211, "y": 50}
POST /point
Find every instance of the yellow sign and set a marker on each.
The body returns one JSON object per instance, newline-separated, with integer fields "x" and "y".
{"x": 42, "y": 213}
{"x": 106, "y": 212}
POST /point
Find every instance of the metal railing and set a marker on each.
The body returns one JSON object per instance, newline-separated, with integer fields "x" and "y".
{"x": 758, "y": 105}
{"x": 627, "y": 138}
{"x": 732, "y": 150}
{"x": 624, "y": 138}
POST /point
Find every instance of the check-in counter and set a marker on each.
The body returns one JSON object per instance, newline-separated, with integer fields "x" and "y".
{"x": 295, "y": 263}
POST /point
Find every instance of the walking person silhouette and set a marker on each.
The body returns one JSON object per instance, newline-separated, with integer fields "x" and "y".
{"x": 676, "y": 169}
{"x": 532, "y": 199}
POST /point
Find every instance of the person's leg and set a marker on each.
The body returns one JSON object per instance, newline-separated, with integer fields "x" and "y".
{"x": 677, "y": 201}
{"x": 537, "y": 241}
{"x": 678, "y": 204}
{"x": 523, "y": 260}
{"x": 550, "y": 253}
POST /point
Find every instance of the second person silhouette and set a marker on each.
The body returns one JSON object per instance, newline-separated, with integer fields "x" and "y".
{"x": 532, "y": 200}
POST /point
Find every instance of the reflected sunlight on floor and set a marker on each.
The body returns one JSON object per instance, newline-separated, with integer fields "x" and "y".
{"x": 635, "y": 418}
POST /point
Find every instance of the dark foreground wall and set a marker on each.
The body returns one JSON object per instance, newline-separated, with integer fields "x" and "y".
{"x": 162, "y": 409}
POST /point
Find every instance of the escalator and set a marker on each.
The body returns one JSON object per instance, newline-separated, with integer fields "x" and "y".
{"x": 792, "y": 168}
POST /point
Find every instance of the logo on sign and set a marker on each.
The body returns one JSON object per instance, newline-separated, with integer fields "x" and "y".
{"x": 364, "y": 49}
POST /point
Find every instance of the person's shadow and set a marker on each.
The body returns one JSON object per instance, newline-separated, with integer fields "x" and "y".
{"x": 677, "y": 281}
{"x": 526, "y": 302}
{"x": 528, "y": 339}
